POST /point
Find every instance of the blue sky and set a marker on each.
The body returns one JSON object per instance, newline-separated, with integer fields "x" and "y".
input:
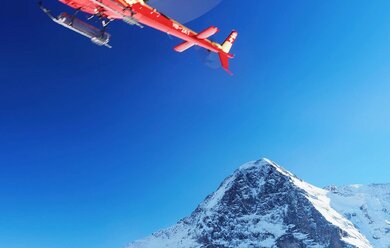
{"x": 99, "y": 147}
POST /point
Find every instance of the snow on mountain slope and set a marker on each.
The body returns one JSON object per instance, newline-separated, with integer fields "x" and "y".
{"x": 261, "y": 205}
{"x": 367, "y": 207}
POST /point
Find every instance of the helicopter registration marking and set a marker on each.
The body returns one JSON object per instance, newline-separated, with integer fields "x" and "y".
{"x": 181, "y": 29}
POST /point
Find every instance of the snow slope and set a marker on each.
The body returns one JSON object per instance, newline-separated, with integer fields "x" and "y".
{"x": 367, "y": 207}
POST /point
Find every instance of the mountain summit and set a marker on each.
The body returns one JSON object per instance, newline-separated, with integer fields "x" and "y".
{"x": 262, "y": 205}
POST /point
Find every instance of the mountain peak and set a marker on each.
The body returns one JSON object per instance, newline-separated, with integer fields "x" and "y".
{"x": 258, "y": 164}
{"x": 261, "y": 205}
{"x": 251, "y": 175}
{"x": 265, "y": 163}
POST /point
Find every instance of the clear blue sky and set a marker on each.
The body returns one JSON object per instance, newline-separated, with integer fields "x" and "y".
{"x": 99, "y": 147}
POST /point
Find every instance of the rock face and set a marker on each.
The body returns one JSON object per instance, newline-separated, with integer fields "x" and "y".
{"x": 263, "y": 205}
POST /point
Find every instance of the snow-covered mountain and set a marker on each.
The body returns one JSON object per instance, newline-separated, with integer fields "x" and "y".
{"x": 263, "y": 205}
{"x": 367, "y": 207}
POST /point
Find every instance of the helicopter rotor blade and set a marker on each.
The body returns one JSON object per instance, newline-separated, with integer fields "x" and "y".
{"x": 184, "y": 10}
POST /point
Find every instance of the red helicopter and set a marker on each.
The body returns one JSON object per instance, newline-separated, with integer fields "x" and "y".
{"x": 138, "y": 13}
